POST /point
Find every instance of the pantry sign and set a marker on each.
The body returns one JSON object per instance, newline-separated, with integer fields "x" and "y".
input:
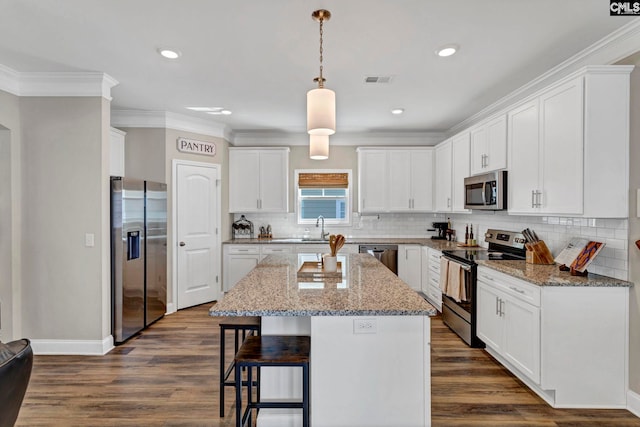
{"x": 196, "y": 147}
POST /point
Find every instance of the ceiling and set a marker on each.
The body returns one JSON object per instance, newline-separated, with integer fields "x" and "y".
{"x": 258, "y": 58}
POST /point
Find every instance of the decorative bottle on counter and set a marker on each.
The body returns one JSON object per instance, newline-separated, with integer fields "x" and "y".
{"x": 466, "y": 234}
{"x": 471, "y": 235}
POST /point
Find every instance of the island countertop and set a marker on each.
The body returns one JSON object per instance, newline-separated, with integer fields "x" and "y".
{"x": 367, "y": 288}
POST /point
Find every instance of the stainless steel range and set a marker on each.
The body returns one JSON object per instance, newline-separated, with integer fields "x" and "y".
{"x": 461, "y": 316}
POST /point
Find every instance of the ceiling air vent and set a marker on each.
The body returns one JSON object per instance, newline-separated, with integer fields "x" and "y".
{"x": 377, "y": 79}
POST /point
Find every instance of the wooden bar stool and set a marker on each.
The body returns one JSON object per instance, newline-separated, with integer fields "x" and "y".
{"x": 271, "y": 350}
{"x": 241, "y": 326}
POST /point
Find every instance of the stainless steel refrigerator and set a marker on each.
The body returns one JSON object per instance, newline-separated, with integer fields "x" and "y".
{"x": 138, "y": 255}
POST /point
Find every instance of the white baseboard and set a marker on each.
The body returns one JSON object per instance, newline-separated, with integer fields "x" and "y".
{"x": 72, "y": 347}
{"x": 633, "y": 403}
{"x": 171, "y": 308}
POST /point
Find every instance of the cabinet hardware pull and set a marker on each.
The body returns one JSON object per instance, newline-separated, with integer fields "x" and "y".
{"x": 487, "y": 277}
{"x": 501, "y": 308}
{"x": 538, "y": 196}
{"x": 533, "y": 196}
{"x": 448, "y": 202}
{"x": 520, "y": 291}
{"x": 497, "y": 309}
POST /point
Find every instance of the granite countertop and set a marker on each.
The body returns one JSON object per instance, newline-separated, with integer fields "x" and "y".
{"x": 425, "y": 241}
{"x": 550, "y": 275}
{"x": 367, "y": 288}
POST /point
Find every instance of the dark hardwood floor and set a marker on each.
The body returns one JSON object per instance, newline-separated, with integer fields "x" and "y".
{"x": 168, "y": 376}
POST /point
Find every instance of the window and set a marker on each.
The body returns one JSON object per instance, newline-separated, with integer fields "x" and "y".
{"x": 323, "y": 192}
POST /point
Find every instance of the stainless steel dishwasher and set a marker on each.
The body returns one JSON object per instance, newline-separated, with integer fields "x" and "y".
{"x": 386, "y": 254}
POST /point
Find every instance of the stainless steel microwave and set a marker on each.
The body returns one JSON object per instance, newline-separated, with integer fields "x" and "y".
{"x": 487, "y": 191}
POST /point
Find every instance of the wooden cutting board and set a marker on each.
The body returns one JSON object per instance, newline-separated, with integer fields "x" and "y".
{"x": 313, "y": 269}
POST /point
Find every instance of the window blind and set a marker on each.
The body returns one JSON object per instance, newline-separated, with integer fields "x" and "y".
{"x": 323, "y": 180}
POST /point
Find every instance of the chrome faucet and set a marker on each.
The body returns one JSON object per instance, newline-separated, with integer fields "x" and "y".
{"x": 323, "y": 235}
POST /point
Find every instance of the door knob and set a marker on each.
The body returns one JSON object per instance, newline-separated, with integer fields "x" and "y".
{"x": 182, "y": 243}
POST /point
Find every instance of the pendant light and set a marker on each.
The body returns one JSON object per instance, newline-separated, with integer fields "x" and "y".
{"x": 319, "y": 147}
{"x": 321, "y": 102}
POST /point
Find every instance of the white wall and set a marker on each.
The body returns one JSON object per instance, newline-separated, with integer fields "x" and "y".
{"x": 634, "y": 228}
{"x": 10, "y": 217}
{"x": 63, "y": 191}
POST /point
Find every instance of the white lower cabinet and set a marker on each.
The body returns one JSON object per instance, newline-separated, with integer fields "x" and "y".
{"x": 410, "y": 265}
{"x": 567, "y": 343}
{"x": 508, "y": 323}
{"x": 238, "y": 261}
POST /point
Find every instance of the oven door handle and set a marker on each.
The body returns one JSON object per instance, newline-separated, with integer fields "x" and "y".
{"x": 462, "y": 266}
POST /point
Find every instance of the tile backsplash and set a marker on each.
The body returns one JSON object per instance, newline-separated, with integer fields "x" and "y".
{"x": 555, "y": 231}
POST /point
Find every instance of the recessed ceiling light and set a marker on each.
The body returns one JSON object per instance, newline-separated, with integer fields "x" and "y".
{"x": 397, "y": 111}
{"x": 447, "y": 50}
{"x": 211, "y": 110}
{"x": 169, "y": 53}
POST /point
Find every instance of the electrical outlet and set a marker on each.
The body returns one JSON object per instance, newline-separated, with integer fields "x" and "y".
{"x": 364, "y": 326}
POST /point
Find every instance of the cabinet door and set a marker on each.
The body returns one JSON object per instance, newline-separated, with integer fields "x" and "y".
{"x": 238, "y": 266}
{"x": 116, "y": 149}
{"x": 400, "y": 181}
{"x": 422, "y": 180}
{"x": 425, "y": 270}
{"x": 521, "y": 344}
{"x": 443, "y": 177}
{"x": 274, "y": 181}
{"x": 460, "y": 170}
{"x": 244, "y": 181}
{"x": 410, "y": 265}
{"x": 561, "y": 149}
{"x": 372, "y": 180}
{"x": 479, "y": 150}
{"x": 523, "y": 157}
{"x": 490, "y": 324}
{"x": 496, "y": 144}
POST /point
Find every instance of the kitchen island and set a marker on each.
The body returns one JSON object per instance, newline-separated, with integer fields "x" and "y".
{"x": 370, "y": 335}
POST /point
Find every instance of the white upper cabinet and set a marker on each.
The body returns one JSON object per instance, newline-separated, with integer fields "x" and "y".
{"x": 569, "y": 145}
{"x": 372, "y": 180}
{"x": 545, "y": 174}
{"x": 459, "y": 170}
{"x": 395, "y": 180}
{"x": 452, "y": 167}
{"x": 116, "y": 150}
{"x": 443, "y": 176}
{"x": 258, "y": 180}
{"x": 489, "y": 146}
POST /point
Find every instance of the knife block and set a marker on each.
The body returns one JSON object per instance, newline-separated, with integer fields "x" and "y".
{"x": 539, "y": 253}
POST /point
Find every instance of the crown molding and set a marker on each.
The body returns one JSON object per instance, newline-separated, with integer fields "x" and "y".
{"x": 56, "y": 83}
{"x": 617, "y": 45}
{"x": 373, "y": 138}
{"x": 167, "y": 120}
{"x": 9, "y": 80}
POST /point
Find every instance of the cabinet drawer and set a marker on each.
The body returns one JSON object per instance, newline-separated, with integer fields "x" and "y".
{"x": 276, "y": 249}
{"x": 244, "y": 249}
{"x": 434, "y": 256}
{"x": 521, "y": 290}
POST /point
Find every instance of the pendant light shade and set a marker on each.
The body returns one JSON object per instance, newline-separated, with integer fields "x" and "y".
{"x": 321, "y": 102}
{"x": 319, "y": 147}
{"x": 321, "y": 112}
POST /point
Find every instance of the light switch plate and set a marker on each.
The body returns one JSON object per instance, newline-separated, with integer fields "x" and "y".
{"x": 89, "y": 240}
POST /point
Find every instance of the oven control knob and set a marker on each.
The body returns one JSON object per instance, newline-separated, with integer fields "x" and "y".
{"x": 488, "y": 235}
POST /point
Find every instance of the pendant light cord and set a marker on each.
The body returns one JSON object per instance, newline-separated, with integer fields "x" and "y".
{"x": 321, "y": 79}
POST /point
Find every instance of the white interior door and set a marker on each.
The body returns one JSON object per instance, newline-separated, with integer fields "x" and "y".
{"x": 198, "y": 248}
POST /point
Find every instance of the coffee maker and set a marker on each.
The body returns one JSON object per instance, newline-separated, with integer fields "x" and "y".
{"x": 441, "y": 228}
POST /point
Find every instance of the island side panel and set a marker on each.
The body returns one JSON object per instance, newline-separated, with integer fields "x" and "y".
{"x": 370, "y": 371}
